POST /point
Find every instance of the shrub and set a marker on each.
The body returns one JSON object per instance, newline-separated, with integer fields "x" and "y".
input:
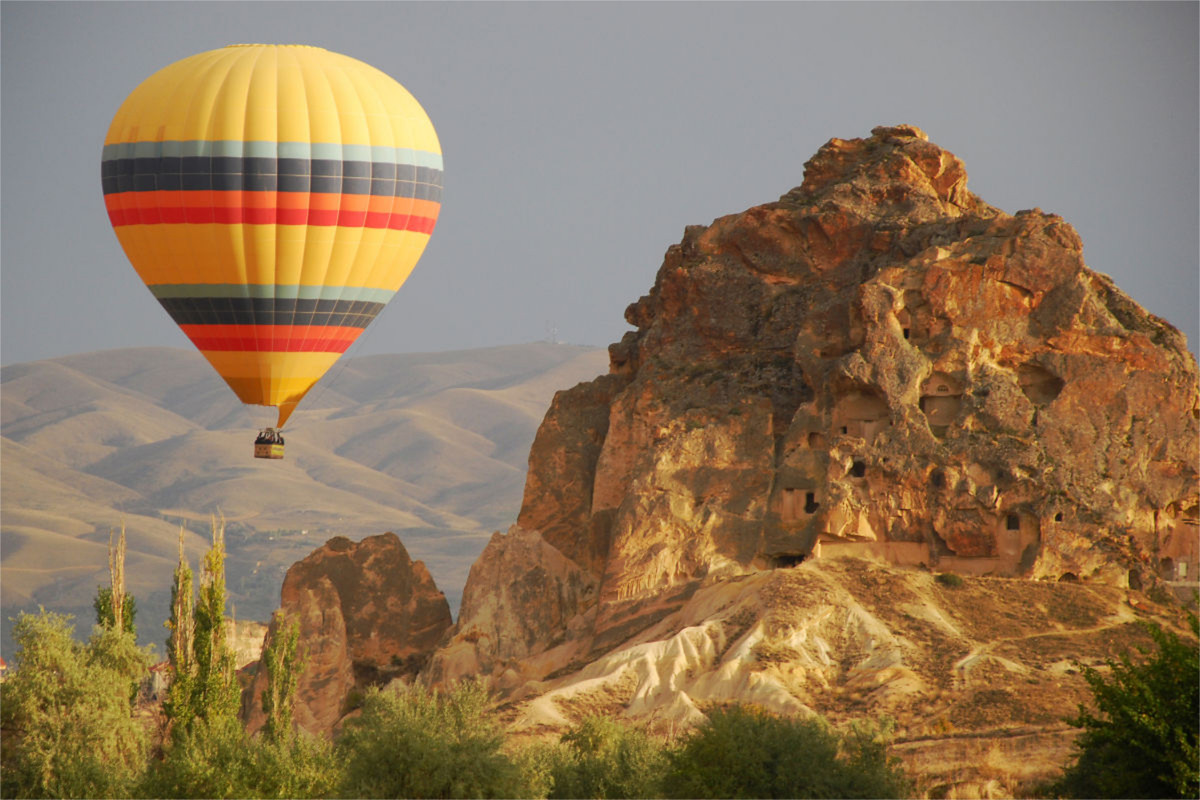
{"x": 1142, "y": 740}
{"x": 413, "y": 742}
{"x": 748, "y": 752}
{"x": 600, "y": 758}
{"x": 216, "y": 758}
{"x": 949, "y": 579}
{"x": 66, "y": 711}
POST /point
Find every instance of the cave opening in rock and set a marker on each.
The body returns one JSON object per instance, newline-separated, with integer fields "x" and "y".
{"x": 785, "y": 560}
{"x": 858, "y": 469}
{"x": 810, "y": 502}
{"x": 1040, "y": 385}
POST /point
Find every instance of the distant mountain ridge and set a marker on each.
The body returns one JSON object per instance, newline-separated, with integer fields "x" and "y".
{"x": 432, "y": 446}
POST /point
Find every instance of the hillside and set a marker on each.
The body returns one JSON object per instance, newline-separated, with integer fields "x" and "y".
{"x": 431, "y": 446}
{"x": 976, "y": 674}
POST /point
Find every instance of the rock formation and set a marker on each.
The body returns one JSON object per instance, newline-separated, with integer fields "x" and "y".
{"x": 367, "y": 613}
{"x": 879, "y": 364}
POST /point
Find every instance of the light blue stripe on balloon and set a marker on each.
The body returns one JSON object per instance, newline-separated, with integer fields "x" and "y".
{"x": 267, "y": 291}
{"x": 228, "y": 148}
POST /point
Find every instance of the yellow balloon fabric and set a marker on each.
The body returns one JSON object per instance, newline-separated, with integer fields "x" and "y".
{"x": 273, "y": 198}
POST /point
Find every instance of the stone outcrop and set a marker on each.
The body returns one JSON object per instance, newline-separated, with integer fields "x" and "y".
{"x": 879, "y": 364}
{"x": 367, "y": 613}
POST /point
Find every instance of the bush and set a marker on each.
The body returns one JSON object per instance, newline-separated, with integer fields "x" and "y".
{"x": 949, "y": 579}
{"x": 216, "y": 758}
{"x": 417, "y": 743}
{"x": 67, "y": 714}
{"x": 1142, "y": 742}
{"x": 600, "y": 758}
{"x": 748, "y": 752}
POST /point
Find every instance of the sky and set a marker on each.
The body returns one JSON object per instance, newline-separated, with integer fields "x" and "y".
{"x": 581, "y": 138}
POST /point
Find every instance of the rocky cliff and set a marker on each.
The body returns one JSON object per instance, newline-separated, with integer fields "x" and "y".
{"x": 879, "y": 364}
{"x": 367, "y": 614}
{"x": 875, "y": 449}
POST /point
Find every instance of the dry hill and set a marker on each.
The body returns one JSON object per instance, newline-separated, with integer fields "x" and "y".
{"x": 432, "y": 446}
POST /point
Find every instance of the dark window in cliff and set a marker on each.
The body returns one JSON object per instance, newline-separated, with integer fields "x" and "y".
{"x": 859, "y": 469}
{"x": 845, "y": 429}
{"x": 937, "y": 479}
{"x": 810, "y": 502}
{"x": 786, "y": 560}
{"x": 1069, "y": 577}
{"x": 1058, "y": 517}
{"x": 1012, "y": 523}
{"x": 906, "y": 332}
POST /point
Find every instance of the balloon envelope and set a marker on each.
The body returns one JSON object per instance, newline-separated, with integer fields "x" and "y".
{"x": 273, "y": 198}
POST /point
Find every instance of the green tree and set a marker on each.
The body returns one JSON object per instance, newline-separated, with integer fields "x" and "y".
{"x": 600, "y": 758}
{"x": 283, "y": 664}
{"x": 112, "y": 600}
{"x": 216, "y": 758}
{"x": 209, "y": 754}
{"x": 1141, "y": 741}
{"x": 177, "y": 704}
{"x": 204, "y": 682}
{"x": 104, "y": 611}
{"x": 418, "y": 743}
{"x": 215, "y": 690}
{"x": 67, "y": 714}
{"x": 743, "y": 751}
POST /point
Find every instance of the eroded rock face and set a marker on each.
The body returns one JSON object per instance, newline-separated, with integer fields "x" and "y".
{"x": 976, "y": 675}
{"x": 368, "y": 614}
{"x": 879, "y": 364}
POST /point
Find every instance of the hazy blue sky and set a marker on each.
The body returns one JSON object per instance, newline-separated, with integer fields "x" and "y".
{"x": 580, "y": 139}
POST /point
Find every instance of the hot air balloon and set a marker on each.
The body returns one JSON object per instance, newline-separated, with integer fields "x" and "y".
{"x": 273, "y": 198}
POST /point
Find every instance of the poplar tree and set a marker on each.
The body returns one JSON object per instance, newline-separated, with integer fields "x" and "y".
{"x": 116, "y": 576}
{"x": 112, "y": 602}
{"x": 216, "y": 692}
{"x": 284, "y": 665}
{"x": 177, "y": 705}
{"x": 204, "y": 684}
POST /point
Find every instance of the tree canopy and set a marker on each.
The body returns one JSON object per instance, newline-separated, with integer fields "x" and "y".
{"x": 67, "y": 712}
{"x": 1140, "y": 740}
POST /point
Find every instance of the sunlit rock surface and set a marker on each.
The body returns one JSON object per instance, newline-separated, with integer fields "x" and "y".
{"x": 879, "y": 365}
{"x": 367, "y": 614}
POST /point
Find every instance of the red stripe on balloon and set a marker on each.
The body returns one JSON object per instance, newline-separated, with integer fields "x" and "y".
{"x": 272, "y": 338}
{"x": 269, "y": 208}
